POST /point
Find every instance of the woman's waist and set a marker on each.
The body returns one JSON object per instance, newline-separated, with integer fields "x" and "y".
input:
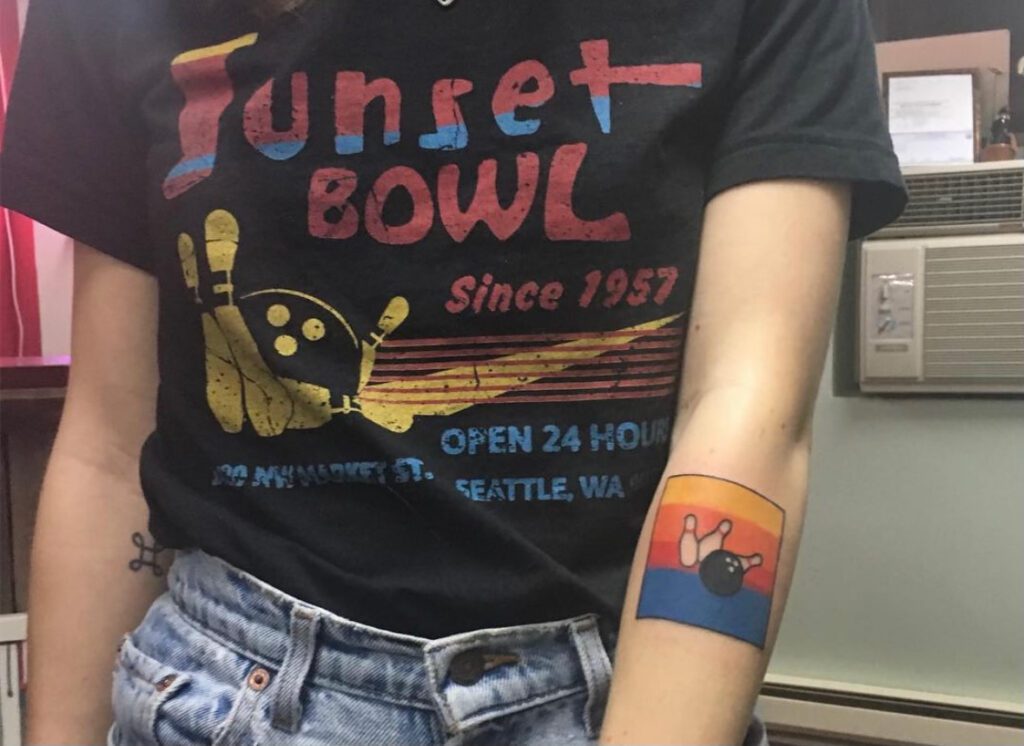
{"x": 266, "y": 624}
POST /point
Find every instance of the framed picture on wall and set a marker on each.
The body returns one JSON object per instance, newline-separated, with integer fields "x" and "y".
{"x": 934, "y": 117}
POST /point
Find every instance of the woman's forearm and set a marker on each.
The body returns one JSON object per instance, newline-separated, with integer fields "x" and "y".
{"x": 83, "y": 595}
{"x": 688, "y": 670}
{"x": 687, "y": 680}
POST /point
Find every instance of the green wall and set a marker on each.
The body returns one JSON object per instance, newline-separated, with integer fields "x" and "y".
{"x": 911, "y": 571}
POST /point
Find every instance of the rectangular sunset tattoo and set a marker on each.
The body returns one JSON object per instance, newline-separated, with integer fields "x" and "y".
{"x": 713, "y": 557}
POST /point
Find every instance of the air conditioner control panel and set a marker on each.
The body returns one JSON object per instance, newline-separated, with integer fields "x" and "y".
{"x": 891, "y": 297}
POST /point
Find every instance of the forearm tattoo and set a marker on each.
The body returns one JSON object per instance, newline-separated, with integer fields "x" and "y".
{"x": 147, "y": 555}
{"x": 713, "y": 557}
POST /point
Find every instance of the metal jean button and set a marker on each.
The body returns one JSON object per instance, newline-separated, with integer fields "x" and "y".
{"x": 258, "y": 679}
{"x": 469, "y": 666}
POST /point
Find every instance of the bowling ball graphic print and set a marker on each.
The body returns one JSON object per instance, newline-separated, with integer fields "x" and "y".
{"x": 302, "y": 338}
{"x": 713, "y": 558}
{"x": 275, "y": 358}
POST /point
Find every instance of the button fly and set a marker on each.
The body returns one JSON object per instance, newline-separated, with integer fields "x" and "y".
{"x": 469, "y": 666}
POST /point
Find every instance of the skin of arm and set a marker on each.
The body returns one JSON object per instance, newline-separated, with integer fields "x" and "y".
{"x": 82, "y": 593}
{"x": 767, "y": 285}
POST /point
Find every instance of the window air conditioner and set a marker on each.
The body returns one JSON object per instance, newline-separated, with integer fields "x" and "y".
{"x": 942, "y": 289}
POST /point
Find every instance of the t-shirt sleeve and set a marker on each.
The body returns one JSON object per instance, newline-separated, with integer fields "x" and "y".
{"x": 74, "y": 149}
{"x": 805, "y": 103}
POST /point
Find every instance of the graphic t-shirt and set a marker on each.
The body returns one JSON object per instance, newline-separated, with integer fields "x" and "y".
{"x": 425, "y": 272}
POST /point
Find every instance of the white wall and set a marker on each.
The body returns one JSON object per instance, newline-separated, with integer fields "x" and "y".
{"x": 54, "y": 255}
{"x": 53, "y": 275}
{"x": 911, "y": 571}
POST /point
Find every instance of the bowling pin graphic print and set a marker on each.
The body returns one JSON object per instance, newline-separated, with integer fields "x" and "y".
{"x": 252, "y": 336}
{"x": 713, "y": 558}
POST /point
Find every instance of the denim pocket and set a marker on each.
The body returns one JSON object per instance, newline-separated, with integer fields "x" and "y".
{"x": 142, "y": 687}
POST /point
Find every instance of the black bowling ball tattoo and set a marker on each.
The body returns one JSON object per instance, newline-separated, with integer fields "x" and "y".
{"x": 720, "y": 571}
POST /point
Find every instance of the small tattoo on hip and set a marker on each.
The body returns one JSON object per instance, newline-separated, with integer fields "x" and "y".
{"x": 147, "y": 555}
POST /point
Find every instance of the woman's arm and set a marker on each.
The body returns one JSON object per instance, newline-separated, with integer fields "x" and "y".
{"x": 82, "y": 594}
{"x": 771, "y": 256}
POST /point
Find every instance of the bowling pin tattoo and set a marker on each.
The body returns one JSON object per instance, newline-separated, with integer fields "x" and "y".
{"x": 713, "y": 557}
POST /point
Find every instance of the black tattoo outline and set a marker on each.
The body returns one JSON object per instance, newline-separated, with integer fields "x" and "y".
{"x": 142, "y": 561}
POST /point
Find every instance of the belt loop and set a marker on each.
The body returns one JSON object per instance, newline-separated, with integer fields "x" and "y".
{"x": 597, "y": 670}
{"x": 285, "y": 705}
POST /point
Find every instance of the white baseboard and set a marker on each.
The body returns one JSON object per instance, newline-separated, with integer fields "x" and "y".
{"x": 806, "y": 712}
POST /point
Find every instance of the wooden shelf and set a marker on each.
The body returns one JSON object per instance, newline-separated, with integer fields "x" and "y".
{"x": 33, "y": 377}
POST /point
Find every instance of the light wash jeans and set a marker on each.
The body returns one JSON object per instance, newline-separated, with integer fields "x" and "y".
{"x": 224, "y": 659}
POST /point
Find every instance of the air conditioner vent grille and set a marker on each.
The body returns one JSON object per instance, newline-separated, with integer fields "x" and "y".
{"x": 982, "y": 200}
{"x": 974, "y": 314}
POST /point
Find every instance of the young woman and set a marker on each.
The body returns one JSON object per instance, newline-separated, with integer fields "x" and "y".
{"x": 392, "y": 299}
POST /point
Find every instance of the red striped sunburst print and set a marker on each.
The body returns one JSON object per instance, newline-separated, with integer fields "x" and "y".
{"x": 644, "y": 365}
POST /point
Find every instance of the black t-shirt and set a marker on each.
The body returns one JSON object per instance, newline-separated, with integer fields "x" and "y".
{"x": 425, "y": 272}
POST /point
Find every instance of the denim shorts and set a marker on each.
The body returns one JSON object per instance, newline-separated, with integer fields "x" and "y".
{"x": 224, "y": 659}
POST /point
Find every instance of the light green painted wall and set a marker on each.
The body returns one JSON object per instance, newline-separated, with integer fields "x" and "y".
{"x": 911, "y": 570}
